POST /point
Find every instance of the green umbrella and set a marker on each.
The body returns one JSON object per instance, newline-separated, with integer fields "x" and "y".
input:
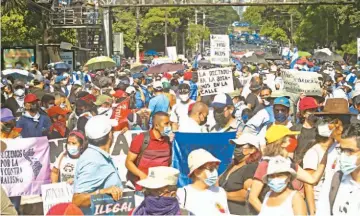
{"x": 100, "y": 62}
{"x": 304, "y": 54}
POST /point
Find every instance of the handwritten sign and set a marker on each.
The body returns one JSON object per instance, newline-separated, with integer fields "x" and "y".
{"x": 53, "y": 194}
{"x": 296, "y": 82}
{"x": 25, "y": 167}
{"x": 105, "y": 205}
{"x": 216, "y": 80}
{"x": 219, "y": 49}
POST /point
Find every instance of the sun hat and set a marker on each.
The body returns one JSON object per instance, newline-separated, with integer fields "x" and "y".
{"x": 6, "y": 115}
{"x": 158, "y": 85}
{"x": 29, "y": 98}
{"x": 56, "y": 110}
{"x": 199, "y": 157}
{"x": 282, "y": 101}
{"x": 276, "y": 132}
{"x": 222, "y": 100}
{"x": 308, "y": 103}
{"x": 130, "y": 90}
{"x": 159, "y": 177}
{"x": 335, "y": 106}
{"x": 101, "y": 99}
{"x": 99, "y": 126}
{"x": 278, "y": 164}
{"x": 119, "y": 94}
{"x": 65, "y": 209}
{"x": 278, "y": 93}
{"x": 247, "y": 138}
{"x": 235, "y": 93}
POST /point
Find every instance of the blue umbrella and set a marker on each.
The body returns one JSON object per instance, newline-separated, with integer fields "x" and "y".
{"x": 151, "y": 53}
{"x": 61, "y": 66}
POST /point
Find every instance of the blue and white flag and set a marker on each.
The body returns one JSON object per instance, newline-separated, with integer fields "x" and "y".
{"x": 215, "y": 143}
{"x": 294, "y": 58}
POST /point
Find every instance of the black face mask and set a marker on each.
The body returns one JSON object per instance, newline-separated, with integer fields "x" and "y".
{"x": 34, "y": 108}
{"x": 238, "y": 155}
{"x": 203, "y": 122}
{"x": 312, "y": 119}
{"x": 220, "y": 119}
{"x": 79, "y": 111}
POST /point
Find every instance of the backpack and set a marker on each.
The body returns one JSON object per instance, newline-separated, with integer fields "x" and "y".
{"x": 335, "y": 184}
{"x": 129, "y": 175}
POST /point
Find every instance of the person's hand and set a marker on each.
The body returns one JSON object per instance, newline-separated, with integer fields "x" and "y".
{"x": 238, "y": 134}
{"x": 142, "y": 176}
{"x": 124, "y": 130}
{"x": 70, "y": 181}
{"x": 171, "y": 136}
{"x": 114, "y": 191}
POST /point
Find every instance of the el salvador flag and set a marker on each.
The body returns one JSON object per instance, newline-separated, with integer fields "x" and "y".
{"x": 196, "y": 61}
{"x": 294, "y": 58}
{"x": 237, "y": 63}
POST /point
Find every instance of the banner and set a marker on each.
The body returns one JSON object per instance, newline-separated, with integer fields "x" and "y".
{"x": 215, "y": 143}
{"x": 219, "y": 49}
{"x": 215, "y": 80}
{"x": 25, "y": 166}
{"x": 105, "y": 205}
{"x": 172, "y": 53}
{"x": 53, "y": 194}
{"x": 296, "y": 82}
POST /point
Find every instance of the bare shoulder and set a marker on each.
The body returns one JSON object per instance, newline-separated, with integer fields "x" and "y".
{"x": 298, "y": 197}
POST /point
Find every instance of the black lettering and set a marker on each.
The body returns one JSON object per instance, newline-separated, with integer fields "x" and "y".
{"x": 121, "y": 144}
{"x": 56, "y": 148}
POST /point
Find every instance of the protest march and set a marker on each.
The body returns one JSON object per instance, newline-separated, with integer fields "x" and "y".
{"x": 218, "y": 130}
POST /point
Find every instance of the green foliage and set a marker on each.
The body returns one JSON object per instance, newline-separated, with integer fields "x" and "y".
{"x": 68, "y": 35}
{"x": 196, "y": 34}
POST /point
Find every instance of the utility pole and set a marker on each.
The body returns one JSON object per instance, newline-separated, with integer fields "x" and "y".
{"x": 137, "y": 34}
{"x": 203, "y": 41}
{"x": 166, "y": 16}
{"x": 291, "y": 29}
{"x": 196, "y": 22}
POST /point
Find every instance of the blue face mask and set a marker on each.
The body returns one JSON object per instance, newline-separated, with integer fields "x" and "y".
{"x": 166, "y": 131}
{"x": 348, "y": 163}
{"x": 245, "y": 118}
{"x": 280, "y": 117}
{"x": 211, "y": 177}
{"x": 277, "y": 184}
{"x": 73, "y": 150}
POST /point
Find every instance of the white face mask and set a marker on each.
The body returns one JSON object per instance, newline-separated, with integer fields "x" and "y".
{"x": 102, "y": 110}
{"x": 19, "y": 92}
{"x": 324, "y": 130}
{"x": 184, "y": 97}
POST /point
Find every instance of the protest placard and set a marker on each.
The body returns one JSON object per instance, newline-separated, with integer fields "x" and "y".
{"x": 215, "y": 143}
{"x": 53, "y": 194}
{"x": 219, "y": 49}
{"x": 172, "y": 53}
{"x": 25, "y": 166}
{"x": 105, "y": 205}
{"x": 215, "y": 80}
{"x": 296, "y": 82}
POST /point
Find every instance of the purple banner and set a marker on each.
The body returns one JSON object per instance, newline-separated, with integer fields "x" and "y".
{"x": 25, "y": 166}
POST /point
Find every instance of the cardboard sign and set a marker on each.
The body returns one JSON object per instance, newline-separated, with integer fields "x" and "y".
{"x": 53, "y": 194}
{"x": 219, "y": 49}
{"x": 216, "y": 80}
{"x": 172, "y": 53}
{"x": 296, "y": 82}
{"x": 105, "y": 205}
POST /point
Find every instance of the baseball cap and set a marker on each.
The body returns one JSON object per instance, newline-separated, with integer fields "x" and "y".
{"x": 159, "y": 177}
{"x": 188, "y": 76}
{"x": 235, "y": 93}
{"x": 247, "y": 138}
{"x": 65, "y": 209}
{"x": 56, "y": 110}
{"x": 158, "y": 85}
{"x": 119, "y": 94}
{"x": 39, "y": 78}
{"x": 137, "y": 75}
{"x": 6, "y": 115}
{"x": 279, "y": 164}
{"x": 199, "y": 157}
{"x": 99, "y": 126}
{"x": 307, "y": 103}
{"x": 130, "y": 90}
{"x": 101, "y": 99}
{"x": 29, "y": 98}
{"x": 276, "y": 132}
{"x": 282, "y": 101}
{"x": 222, "y": 100}
{"x": 166, "y": 85}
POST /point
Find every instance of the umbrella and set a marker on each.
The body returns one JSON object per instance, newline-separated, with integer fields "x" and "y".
{"x": 326, "y": 55}
{"x": 137, "y": 69}
{"x": 18, "y": 74}
{"x": 162, "y": 68}
{"x": 304, "y": 54}
{"x": 204, "y": 63}
{"x": 254, "y": 58}
{"x": 272, "y": 56}
{"x": 100, "y": 62}
{"x": 61, "y": 66}
{"x": 151, "y": 53}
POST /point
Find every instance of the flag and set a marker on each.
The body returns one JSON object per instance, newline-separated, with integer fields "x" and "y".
{"x": 294, "y": 58}
{"x": 215, "y": 143}
{"x": 237, "y": 63}
{"x": 197, "y": 58}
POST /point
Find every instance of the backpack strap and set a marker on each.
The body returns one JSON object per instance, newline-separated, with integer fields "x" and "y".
{"x": 335, "y": 184}
{"x": 144, "y": 146}
{"x": 185, "y": 195}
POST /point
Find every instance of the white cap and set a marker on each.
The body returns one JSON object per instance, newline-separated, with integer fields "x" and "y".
{"x": 199, "y": 157}
{"x": 158, "y": 85}
{"x": 159, "y": 177}
{"x": 247, "y": 138}
{"x": 130, "y": 90}
{"x": 98, "y": 126}
{"x": 279, "y": 164}
{"x": 339, "y": 93}
{"x": 355, "y": 93}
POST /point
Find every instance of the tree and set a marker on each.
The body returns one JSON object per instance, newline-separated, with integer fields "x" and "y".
{"x": 196, "y": 34}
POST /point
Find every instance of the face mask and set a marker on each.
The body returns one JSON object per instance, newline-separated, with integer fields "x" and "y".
{"x": 211, "y": 177}
{"x": 19, "y": 92}
{"x": 293, "y": 144}
{"x": 203, "y": 122}
{"x": 33, "y": 108}
{"x": 238, "y": 155}
{"x": 73, "y": 150}
{"x": 277, "y": 184}
{"x": 280, "y": 117}
{"x": 166, "y": 131}
{"x": 7, "y": 128}
{"x": 220, "y": 119}
{"x": 245, "y": 118}
{"x": 348, "y": 163}
{"x": 324, "y": 130}
{"x": 102, "y": 110}
{"x": 62, "y": 106}
{"x": 266, "y": 102}
{"x": 312, "y": 119}
{"x": 184, "y": 97}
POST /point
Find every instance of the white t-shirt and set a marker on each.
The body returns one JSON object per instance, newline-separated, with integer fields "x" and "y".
{"x": 66, "y": 166}
{"x": 189, "y": 125}
{"x": 212, "y": 201}
{"x": 179, "y": 111}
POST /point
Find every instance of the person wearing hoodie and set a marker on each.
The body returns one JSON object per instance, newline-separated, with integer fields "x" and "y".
{"x": 16, "y": 102}
{"x": 33, "y": 123}
{"x": 58, "y": 127}
{"x": 38, "y": 88}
